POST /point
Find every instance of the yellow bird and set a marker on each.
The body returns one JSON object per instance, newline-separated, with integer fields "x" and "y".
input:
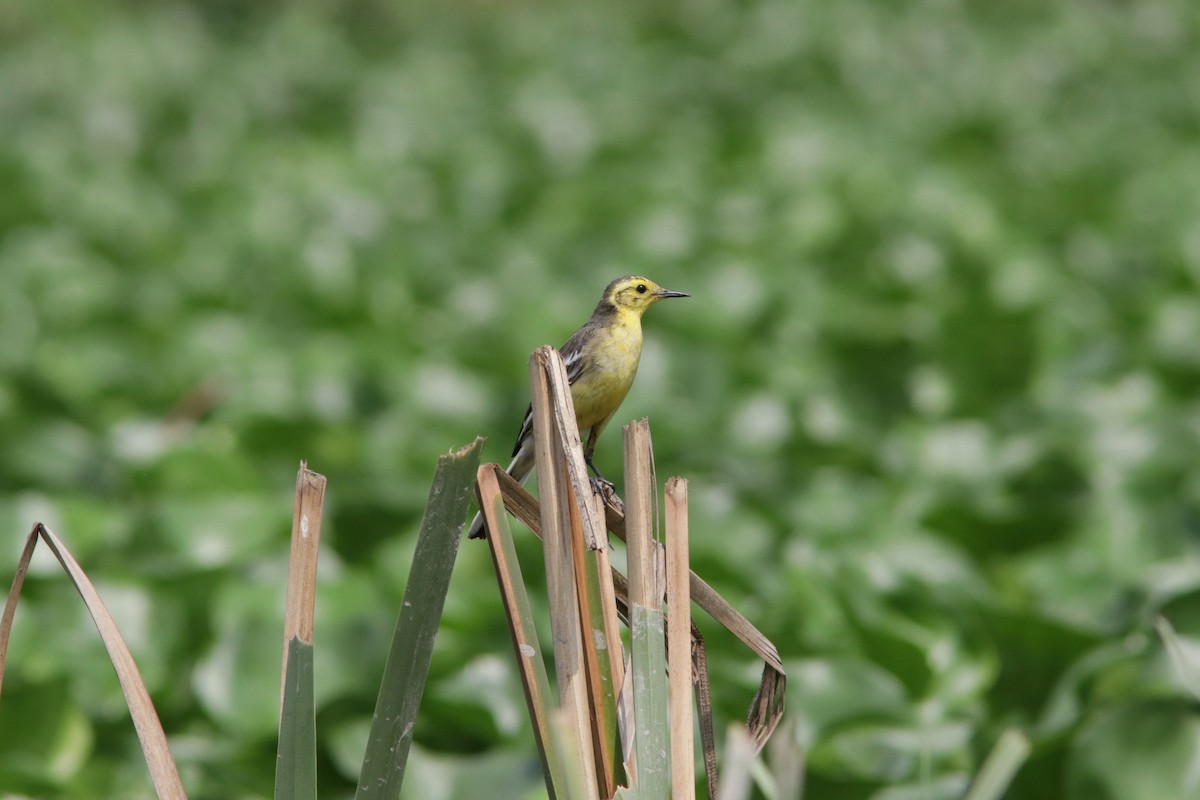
{"x": 601, "y": 359}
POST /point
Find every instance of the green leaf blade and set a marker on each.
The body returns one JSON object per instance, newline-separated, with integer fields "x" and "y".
{"x": 652, "y": 734}
{"x": 296, "y": 764}
{"x": 408, "y": 662}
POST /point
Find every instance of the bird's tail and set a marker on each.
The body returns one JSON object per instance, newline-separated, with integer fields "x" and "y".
{"x": 521, "y": 466}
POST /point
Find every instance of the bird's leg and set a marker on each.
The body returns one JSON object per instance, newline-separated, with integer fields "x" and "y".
{"x": 599, "y": 483}
{"x": 599, "y": 480}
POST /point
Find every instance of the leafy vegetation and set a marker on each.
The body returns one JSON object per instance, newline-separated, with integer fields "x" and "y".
{"x": 935, "y": 390}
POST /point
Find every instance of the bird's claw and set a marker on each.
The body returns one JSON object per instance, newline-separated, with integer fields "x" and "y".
{"x": 603, "y": 486}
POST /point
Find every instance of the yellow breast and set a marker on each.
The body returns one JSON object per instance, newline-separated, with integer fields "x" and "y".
{"x": 613, "y": 355}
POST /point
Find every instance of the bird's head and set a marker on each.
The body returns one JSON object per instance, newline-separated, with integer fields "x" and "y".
{"x": 635, "y": 293}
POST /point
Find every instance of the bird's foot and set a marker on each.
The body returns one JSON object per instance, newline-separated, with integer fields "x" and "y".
{"x": 603, "y": 486}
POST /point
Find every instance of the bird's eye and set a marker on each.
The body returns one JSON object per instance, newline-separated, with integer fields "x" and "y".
{"x": 641, "y": 288}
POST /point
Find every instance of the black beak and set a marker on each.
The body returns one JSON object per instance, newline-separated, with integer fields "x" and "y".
{"x": 669, "y": 293}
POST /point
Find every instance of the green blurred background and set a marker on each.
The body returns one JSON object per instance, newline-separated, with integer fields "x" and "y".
{"x": 935, "y": 390}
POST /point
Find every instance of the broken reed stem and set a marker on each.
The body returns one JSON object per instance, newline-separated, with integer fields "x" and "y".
{"x": 301, "y": 596}
{"x": 679, "y": 642}
{"x": 592, "y": 626}
{"x": 605, "y": 628}
{"x": 639, "y": 506}
{"x": 608, "y": 599}
{"x": 569, "y": 667}
{"x": 651, "y": 728}
{"x": 588, "y": 537}
{"x": 521, "y": 626}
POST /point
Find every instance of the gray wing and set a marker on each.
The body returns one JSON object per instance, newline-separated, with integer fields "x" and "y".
{"x": 572, "y": 353}
{"x": 577, "y": 367}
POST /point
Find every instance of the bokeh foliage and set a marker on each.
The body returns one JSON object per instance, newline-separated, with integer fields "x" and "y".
{"x": 936, "y": 389}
